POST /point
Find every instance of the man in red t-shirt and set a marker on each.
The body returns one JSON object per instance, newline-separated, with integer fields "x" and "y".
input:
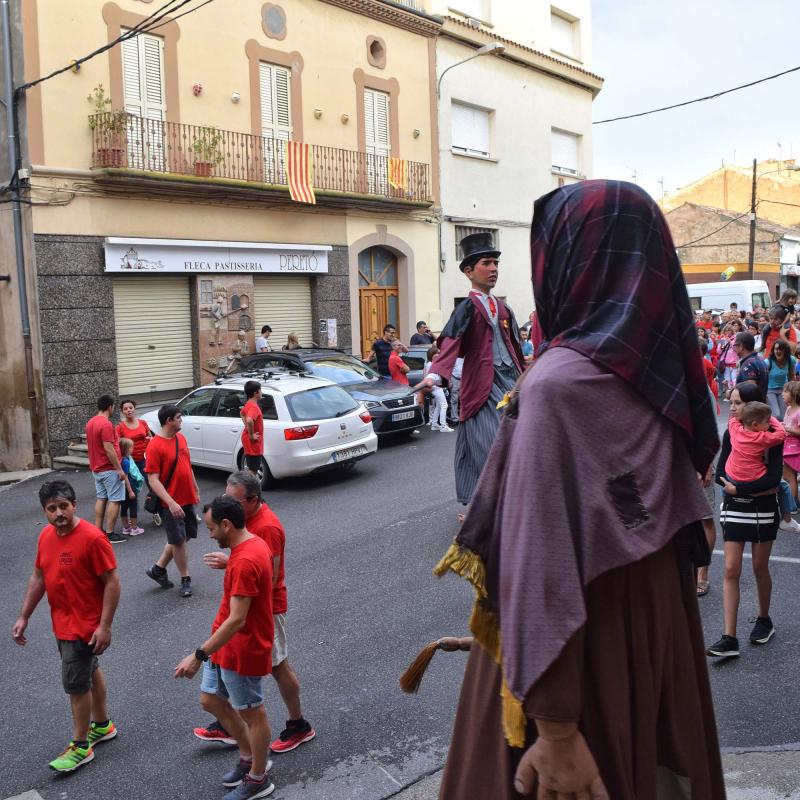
{"x": 239, "y": 652}
{"x": 397, "y": 367}
{"x": 263, "y": 522}
{"x": 76, "y": 568}
{"x": 168, "y": 465}
{"x": 104, "y": 460}
{"x": 253, "y": 433}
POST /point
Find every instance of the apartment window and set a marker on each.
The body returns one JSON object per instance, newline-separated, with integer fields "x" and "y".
{"x": 566, "y": 152}
{"x": 468, "y": 230}
{"x": 276, "y": 111}
{"x": 471, "y": 130}
{"x": 564, "y": 34}
{"x": 206, "y": 293}
{"x": 478, "y": 9}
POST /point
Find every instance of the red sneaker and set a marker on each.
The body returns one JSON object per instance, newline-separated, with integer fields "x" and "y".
{"x": 215, "y": 734}
{"x": 293, "y": 735}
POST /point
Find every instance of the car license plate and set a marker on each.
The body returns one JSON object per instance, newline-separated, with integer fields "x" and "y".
{"x": 350, "y": 452}
{"x": 403, "y": 415}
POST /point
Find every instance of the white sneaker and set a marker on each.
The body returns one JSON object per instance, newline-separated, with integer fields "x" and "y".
{"x": 445, "y": 429}
{"x": 790, "y": 527}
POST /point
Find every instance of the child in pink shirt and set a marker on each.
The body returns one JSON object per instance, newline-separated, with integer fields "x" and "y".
{"x": 755, "y": 432}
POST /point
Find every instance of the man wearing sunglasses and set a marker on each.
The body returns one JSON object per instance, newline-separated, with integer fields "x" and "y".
{"x": 483, "y": 331}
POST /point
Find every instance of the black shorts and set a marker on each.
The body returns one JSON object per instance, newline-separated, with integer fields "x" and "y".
{"x": 253, "y": 463}
{"x": 179, "y": 530}
{"x": 78, "y": 664}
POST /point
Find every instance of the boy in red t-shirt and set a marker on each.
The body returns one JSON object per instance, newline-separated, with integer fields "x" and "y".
{"x": 253, "y": 433}
{"x": 76, "y": 568}
{"x": 262, "y": 521}
{"x": 238, "y": 653}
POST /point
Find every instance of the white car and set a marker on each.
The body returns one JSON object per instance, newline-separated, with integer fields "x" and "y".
{"x": 310, "y": 425}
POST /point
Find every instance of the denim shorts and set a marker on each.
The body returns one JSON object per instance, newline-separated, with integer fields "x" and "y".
{"x": 109, "y": 486}
{"x": 279, "y": 650}
{"x": 241, "y": 691}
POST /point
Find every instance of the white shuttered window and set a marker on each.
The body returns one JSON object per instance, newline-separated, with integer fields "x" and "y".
{"x": 566, "y": 152}
{"x": 276, "y": 110}
{"x": 152, "y": 319}
{"x": 144, "y": 96}
{"x": 470, "y": 129}
{"x": 376, "y": 122}
{"x": 563, "y": 34}
{"x": 283, "y": 303}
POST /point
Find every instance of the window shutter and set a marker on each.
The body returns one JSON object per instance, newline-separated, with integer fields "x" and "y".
{"x": 153, "y": 58}
{"x": 275, "y": 97}
{"x": 565, "y": 152}
{"x": 470, "y": 129}
{"x": 376, "y": 122}
{"x": 562, "y": 32}
{"x": 131, "y": 79}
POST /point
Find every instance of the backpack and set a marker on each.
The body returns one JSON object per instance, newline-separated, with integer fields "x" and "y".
{"x": 135, "y": 476}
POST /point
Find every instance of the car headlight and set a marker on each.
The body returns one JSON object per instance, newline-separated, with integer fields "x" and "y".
{"x": 372, "y": 404}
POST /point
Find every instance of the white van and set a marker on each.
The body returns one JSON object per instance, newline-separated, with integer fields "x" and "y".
{"x": 719, "y": 295}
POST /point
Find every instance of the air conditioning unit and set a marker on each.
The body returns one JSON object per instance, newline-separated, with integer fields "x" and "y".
{"x": 473, "y": 23}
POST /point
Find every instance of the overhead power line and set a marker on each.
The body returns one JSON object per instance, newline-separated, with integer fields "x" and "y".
{"x": 147, "y": 24}
{"x": 717, "y": 230}
{"x": 698, "y": 99}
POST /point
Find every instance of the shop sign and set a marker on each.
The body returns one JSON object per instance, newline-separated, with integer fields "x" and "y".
{"x": 132, "y": 256}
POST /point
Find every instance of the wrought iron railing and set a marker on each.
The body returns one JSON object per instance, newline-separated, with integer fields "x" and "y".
{"x": 128, "y": 141}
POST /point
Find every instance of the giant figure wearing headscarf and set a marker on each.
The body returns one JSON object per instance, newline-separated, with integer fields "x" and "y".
{"x": 483, "y": 331}
{"x": 588, "y": 670}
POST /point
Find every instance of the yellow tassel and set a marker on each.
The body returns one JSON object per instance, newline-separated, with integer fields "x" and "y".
{"x": 412, "y": 677}
{"x": 484, "y": 624}
{"x": 514, "y": 721}
{"x": 465, "y": 563}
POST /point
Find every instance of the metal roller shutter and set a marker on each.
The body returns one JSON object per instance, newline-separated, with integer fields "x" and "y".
{"x": 154, "y": 334}
{"x": 283, "y": 303}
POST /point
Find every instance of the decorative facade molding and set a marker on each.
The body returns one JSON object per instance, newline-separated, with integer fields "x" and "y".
{"x": 392, "y": 14}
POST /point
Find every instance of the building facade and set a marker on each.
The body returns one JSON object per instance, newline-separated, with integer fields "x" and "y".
{"x": 512, "y": 126}
{"x": 173, "y": 178}
{"x": 709, "y": 241}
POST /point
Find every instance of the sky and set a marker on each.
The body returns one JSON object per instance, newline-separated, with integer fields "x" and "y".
{"x": 654, "y": 53}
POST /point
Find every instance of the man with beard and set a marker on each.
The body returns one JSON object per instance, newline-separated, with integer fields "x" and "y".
{"x": 481, "y": 330}
{"x": 76, "y": 568}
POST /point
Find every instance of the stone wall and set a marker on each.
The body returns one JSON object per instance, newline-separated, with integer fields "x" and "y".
{"x": 76, "y": 304}
{"x": 330, "y": 298}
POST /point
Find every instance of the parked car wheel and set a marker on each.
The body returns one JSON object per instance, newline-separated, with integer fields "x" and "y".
{"x": 263, "y": 474}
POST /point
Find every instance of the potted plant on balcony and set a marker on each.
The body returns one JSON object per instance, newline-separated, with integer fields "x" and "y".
{"x": 207, "y": 151}
{"x": 108, "y": 129}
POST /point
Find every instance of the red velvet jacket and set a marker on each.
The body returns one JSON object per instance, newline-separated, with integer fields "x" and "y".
{"x": 471, "y": 338}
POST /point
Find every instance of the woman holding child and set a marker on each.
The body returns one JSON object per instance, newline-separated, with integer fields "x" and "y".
{"x": 749, "y": 468}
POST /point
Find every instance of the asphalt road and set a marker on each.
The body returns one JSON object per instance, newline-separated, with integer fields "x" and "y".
{"x": 362, "y": 601}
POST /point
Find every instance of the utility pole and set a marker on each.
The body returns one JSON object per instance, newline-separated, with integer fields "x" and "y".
{"x": 752, "y": 251}
{"x": 662, "y": 189}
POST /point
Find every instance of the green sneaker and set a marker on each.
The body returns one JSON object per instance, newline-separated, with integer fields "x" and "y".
{"x": 72, "y": 758}
{"x": 103, "y": 733}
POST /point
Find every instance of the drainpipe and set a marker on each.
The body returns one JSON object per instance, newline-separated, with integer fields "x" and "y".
{"x": 10, "y": 102}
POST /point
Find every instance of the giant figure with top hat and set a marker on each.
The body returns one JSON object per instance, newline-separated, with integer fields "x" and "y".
{"x": 481, "y": 330}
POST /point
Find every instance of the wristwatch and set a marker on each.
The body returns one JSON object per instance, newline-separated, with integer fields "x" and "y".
{"x": 201, "y": 655}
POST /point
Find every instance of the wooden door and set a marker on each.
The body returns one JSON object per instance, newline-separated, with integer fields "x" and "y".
{"x": 378, "y": 294}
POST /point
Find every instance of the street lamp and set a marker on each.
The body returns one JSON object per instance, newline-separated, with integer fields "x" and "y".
{"x": 756, "y": 178}
{"x": 494, "y": 47}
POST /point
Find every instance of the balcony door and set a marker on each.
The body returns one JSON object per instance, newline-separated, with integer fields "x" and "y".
{"x": 378, "y": 294}
{"x": 378, "y": 145}
{"x": 274, "y": 86}
{"x": 144, "y": 98}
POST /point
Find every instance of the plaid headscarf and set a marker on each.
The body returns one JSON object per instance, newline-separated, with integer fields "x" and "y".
{"x": 608, "y": 284}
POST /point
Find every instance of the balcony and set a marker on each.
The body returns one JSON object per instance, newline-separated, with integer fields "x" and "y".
{"x": 128, "y": 144}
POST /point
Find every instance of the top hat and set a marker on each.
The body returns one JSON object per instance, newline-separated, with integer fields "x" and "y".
{"x": 474, "y": 246}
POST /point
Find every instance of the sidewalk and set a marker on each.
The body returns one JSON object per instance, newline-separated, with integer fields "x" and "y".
{"x": 770, "y": 775}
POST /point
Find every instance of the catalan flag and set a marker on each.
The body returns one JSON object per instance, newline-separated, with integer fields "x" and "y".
{"x": 299, "y": 167}
{"x": 398, "y": 173}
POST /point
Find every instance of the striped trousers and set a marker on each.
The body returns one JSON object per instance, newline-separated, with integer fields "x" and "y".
{"x": 475, "y": 435}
